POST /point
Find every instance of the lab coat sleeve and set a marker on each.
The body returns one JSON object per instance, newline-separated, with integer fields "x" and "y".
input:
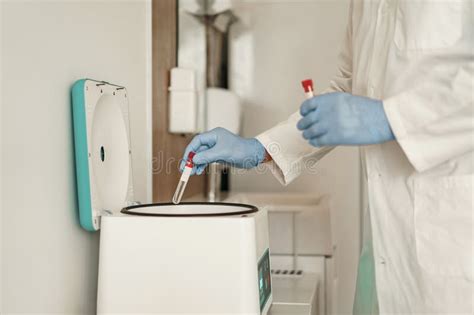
{"x": 291, "y": 154}
{"x": 433, "y": 121}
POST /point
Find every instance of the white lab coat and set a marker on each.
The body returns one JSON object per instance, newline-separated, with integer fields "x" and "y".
{"x": 416, "y": 56}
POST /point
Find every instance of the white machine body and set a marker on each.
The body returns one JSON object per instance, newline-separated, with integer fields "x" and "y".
{"x": 198, "y": 265}
{"x": 183, "y": 100}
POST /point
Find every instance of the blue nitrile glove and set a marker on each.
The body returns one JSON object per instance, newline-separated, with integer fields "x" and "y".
{"x": 221, "y": 145}
{"x": 344, "y": 119}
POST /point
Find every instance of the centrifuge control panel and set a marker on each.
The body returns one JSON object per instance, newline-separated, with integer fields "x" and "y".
{"x": 264, "y": 279}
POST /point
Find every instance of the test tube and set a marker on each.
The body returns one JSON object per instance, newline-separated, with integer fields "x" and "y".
{"x": 308, "y": 88}
{"x": 183, "y": 181}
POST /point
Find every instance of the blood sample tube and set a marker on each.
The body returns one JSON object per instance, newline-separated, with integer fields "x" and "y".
{"x": 183, "y": 181}
{"x": 308, "y": 88}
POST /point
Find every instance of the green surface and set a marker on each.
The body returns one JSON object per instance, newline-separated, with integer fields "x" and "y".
{"x": 366, "y": 290}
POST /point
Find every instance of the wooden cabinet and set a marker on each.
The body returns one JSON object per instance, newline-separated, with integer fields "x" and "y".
{"x": 167, "y": 148}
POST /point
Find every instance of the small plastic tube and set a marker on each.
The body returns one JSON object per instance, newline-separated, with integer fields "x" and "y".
{"x": 183, "y": 181}
{"x": 308, "y": 88}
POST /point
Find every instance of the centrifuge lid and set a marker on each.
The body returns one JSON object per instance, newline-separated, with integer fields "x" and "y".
{"x": 191, "y": 209}
{"x": 102, "y": 148}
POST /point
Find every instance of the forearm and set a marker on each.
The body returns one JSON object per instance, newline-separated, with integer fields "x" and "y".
{"x": 288, "y": 153}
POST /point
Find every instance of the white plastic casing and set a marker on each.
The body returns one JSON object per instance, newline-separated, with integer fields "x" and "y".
{"x": 223, "y": 110}
{"x": 182, "y": 101}
{"x": 182, "y": 265}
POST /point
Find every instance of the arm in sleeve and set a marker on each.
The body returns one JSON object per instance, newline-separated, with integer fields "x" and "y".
{"x": 433, "y": 121}
{"x": 291, "y": 154}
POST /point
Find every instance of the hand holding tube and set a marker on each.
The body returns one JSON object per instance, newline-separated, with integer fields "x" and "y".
{"x": 344, "y": 119}
{"x": 222, "y": 146}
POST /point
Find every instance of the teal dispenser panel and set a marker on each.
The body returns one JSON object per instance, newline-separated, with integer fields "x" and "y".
{"x": 81, "y": 155}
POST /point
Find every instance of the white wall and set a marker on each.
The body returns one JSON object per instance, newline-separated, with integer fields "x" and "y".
{"x": 1, "y": 157}
{"x": 49, "y": 264}
{"x": 275, "y": 45}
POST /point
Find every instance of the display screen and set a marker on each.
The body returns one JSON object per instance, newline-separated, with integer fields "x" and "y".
{"x": 264, "y": 279}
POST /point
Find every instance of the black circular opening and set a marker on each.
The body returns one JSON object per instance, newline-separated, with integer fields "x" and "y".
{"x": 246, "y": 209}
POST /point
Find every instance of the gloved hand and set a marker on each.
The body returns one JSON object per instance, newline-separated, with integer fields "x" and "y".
{"x": 221, "y": 145}
{"x": 344, "y": 119}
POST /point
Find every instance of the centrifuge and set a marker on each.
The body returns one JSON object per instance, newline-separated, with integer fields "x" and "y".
{"x": 200, "y": 258}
